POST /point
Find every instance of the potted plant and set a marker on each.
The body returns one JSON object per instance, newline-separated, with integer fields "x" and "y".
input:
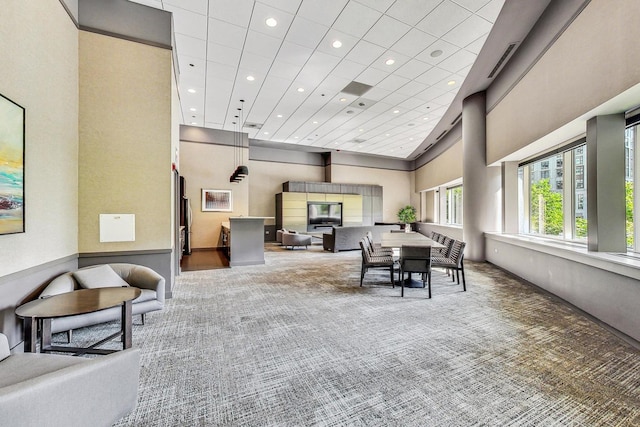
{"x": 407, "y": 215}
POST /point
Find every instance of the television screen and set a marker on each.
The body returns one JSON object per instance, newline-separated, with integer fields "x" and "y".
{"x": 324, "y": 213}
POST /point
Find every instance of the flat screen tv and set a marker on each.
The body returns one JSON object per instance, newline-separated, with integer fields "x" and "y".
{"x": 324, "y": 214}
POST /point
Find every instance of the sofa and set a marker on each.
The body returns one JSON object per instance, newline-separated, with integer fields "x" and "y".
{"x": 148, "y": 281}
{"x": 291, "y": 240}
{"x": 52, "y": 390}
{"x": 348, "y": 238}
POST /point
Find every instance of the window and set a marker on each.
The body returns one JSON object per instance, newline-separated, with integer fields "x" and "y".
{"x": 630, "y": 138}
{"x": 553, "y": 200}
{"x": 454, "y": 205}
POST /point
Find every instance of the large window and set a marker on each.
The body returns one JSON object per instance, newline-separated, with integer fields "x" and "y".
{"x": 630, "y": 140}
{"x": 454, "y": 205}
{"x": 553, "y": 195}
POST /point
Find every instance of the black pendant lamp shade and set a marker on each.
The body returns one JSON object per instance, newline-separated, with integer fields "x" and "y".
{"x": 241, "y": 171}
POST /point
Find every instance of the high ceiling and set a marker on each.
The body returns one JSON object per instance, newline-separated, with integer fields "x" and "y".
{"x": 415, "y": 55}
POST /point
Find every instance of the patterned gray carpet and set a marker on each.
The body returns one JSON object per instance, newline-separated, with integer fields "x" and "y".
{"x": 297, "y": 342}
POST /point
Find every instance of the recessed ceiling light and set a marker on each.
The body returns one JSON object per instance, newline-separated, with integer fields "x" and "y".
{"x": 295, "y": 137}
{"x": 192, "y": 109}
{"x": 390, "y": 61}
{"x": 251, "y": 78}
{"x": 387, "y": 134}
{"x": 300, "y": 89}
{"x": 271, "y": 22}
{"x": 266, "y": 133}
{"x": 410, "y": 139}
{"x": 396, "y": 111}
{"x": 279, "y": 116}
{"x": 194, "y": 123}
{"x": 451, "y": 82}
{"x": 436, "y": 53}
{"x": 315, "y": 122}
{"x": 191, "y": 90}
{"x": 361, "y": 130}
{"x": 337, "y": 44}
{"x": 343, "y": 99}
{"x": 425, "y": 118}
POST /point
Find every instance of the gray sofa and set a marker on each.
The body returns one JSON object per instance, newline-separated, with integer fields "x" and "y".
{"x": 348, "y": 238}
{"x": 150, "y": 283}
{"x": 52, "y": 390}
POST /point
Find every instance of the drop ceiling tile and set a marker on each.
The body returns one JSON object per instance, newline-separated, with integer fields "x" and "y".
{"x": 294, "y": 54}
{"x": 410, "y": 104}
{"x": 472, "y": 5}
{"x": 348, "y": 42}
{"x": 379, "y": 5}
{"x": 262, "y": 12}
{"x": 306, "y": 32}
{"x": 398, "y": 61}
{"x": 290, "y": 6}
{"x": 371, "y": 77}
{"x": 393, "y": 82}
{"x": 393, "y": 99}
{"x": 226, "y": 34}
{"x": 458, "y": 61}
{"x": 376, "y": 93}
{"x": 433, "y": 76}
{"x": 197, "y": 6}
{"x": 223, "y": 54}
{"x": 188, "y": 23}
{"x": 439, "y": 45}
{"x": 189, "y": 64}
{"x": 316, "y": 70}
{"x": 476, "y": 46}
{"x": 221, "y": 72}
{"x": 237, "y": 12}
{"x": 412, "y": 69}
{"x": 429, "y": 94}
{"x": 445, "y": 99}
{"x": 443, "y": 18}
{"x": 348, "y": 69}
{"x": 189, "y": 46}
{"x": 414, "y": 42}
{"x": 322, "y": 11}
{"x": 471, "y": 29}
{"x": 332, "y": 85}
{"x": 284, "y": 70}
{"x": 386, "y": 31}
{"x": 491, "y": 11}
{"x": 356, "y": 19}
{"x": 254, "y": 64}
{"x": 262, "y": 44}
{"x": 412, "y": 88}
{"x": 365, "y": 52}
{"x": 412, "y": 11}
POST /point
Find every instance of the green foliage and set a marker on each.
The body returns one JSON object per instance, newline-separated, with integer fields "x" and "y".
{"x": 546, "y": 209}
{"x": 628, "y": 187}
{"x": 407, "y": 214}
{"x": 581, "y": 227}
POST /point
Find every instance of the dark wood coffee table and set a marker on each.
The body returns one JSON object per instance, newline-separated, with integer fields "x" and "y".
{"x": 71, "y": 303}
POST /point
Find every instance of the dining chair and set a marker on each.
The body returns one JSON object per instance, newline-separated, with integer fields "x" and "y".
{"x": 416, "y": 259}
{"x": 454, "y": 262}
{"x": 377, "y": 250}
{"x": 371, "y": 261}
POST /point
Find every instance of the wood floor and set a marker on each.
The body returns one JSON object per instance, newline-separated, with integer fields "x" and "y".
{"x": 204, "y": 259}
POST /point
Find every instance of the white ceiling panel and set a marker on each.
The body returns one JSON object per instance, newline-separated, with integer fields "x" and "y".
{"x": 365, "y": 52}
{"x": 237, "y": 12}
{"x": 220, "y": 42}
{"x": 189, "y": 23}
{"x": 443, "y": 18}
{"x": 356, "y": 19}
{"x": 386, "y": 31}
{"x": 322, "y": 11}
{"x": 414, "y": 42}
{"x": 412, "y": 11}
{"x": 197, "y": 6}
{"x": 226, "y": 34}
{"x": 471, "y": 29}
{"x": 306, "y": 32}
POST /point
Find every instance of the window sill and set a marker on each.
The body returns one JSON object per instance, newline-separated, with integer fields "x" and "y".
{"x": 626, "y": 264}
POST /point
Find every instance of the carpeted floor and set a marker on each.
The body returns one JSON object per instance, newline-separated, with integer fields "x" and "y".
{"x": 297, "y": 342}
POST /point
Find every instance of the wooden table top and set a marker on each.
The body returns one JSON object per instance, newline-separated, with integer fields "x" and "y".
{"x": 77, "y": 302}
{"x": 396, "y": 240}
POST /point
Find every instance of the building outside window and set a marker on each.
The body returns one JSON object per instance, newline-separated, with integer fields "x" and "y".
{"x": 454, "y": 205}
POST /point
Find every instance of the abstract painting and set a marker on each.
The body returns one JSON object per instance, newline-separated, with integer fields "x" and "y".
{"x": 11, "y": 167}
{"x": 216, "y": 200}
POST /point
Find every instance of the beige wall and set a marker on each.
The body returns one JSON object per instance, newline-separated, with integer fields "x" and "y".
{"x": 396, "y": 186}
{"x": 594, "y": 60}
{"x": 268, "y": 179}
{"x": 209, "y": 166}
{"x": 441, "y": 170}
{"x": 39, "y": 57}
{"x": 125, "y": 141}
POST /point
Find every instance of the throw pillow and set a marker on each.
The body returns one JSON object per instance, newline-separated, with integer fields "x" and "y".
{"x": 102, "y": 276}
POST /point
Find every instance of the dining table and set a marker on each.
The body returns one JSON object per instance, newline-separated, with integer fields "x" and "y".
{"x": 412, "y": 238}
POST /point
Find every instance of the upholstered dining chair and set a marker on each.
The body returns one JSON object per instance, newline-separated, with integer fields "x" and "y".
{"x": 416, "y": 259}
{"x": 377, "y": 250}
{"x": 369, "y": 260}
{"x": 453, "y": 262}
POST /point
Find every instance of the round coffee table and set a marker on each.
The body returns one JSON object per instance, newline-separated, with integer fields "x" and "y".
{"x": 71, "y": 303}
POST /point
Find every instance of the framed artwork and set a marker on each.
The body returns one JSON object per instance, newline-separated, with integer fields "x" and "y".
{"x": 216, "y": 200}
{"x": 12, "y": 117}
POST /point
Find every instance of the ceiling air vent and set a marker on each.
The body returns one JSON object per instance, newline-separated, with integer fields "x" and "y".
{"x": 441, "y": 135}
{"x": 356, "y": 88}
{"x": 456, "y": 119}
{"x": 428, "y": 146}
{"x": 252, "y": 125}
{"x": 502, "y": 59}
{"x": 358, "y": 140}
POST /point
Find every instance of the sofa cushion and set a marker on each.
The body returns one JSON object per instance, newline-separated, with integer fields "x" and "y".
{"x": 101, "y": 276}
{"x": 145, "y": 295}
{"x": 4, "y": 347}
{"x": 24, "y": 366}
